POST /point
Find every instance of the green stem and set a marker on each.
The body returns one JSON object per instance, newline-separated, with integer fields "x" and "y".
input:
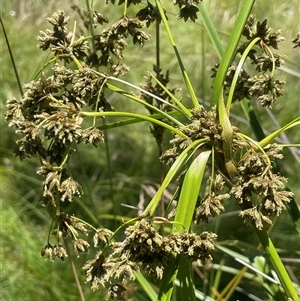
{"x": 125, "y": 122}
{"x": 217, "y": 93}
{"x": 185, "y": 110}
{"x": 91, "y": 28}
{"x": 147, "y": 105}
{"x": 230, "y": 50}
{"x": 180, "y": 161}
{"x": 12, "y": 58}
{"x": 139, "y": 116}
{"x": 74, "y": 272}
{"x": 182, "y": 68}
{"x": 237, "y": 72}
{"x": 125, "y": 8}
{"x": 279, "y": 268}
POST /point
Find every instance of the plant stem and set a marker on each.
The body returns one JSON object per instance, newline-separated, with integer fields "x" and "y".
{"x": 103, "y": 122}
{"x": 159, "y": 143}
{"x": 74, "y": 272}
{"x": 230, "y": 51}
{"x": 281, "y": 272}
{"x": 12, "y": 58}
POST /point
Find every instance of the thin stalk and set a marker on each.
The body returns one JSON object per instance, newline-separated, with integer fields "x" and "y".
{"x": 159, "y": 143}
{"x": 217, "y": 279}
{"x": 139, "y": 116}
{"x": 125, "y": 8}
{"x": 110, "y": 175}
{"x": 180, "y": 62}
{"x": 237, "y": 72}
{"x": 91, "y": 28}
{"x": 74, "y": 272}
{"x": 273, "y": 256}
{"x": 230, "y": 51}
{"x": 133, "y": 121}
{"x": 157, "y": 46}
{"x": 203, "y": 70}
{"x": 12, "y": 58}
{"x": 185, "y": 110}
{"x": 118, "y": 90}
{"x": 107, "y": 152}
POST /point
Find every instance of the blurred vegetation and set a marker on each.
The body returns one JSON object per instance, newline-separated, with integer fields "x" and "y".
{"x": 135, "y": 169}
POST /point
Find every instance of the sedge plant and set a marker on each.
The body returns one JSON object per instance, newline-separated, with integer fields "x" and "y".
{"x": 210, "y": 159}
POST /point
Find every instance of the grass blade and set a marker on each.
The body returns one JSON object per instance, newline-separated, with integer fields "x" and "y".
{"x": 230, "y": 50}
{"x": 211, "y": 31}
{"x": 190, "y": 191}
{"x": 186, "y": 280}
{"x": 267, "y": 140}
{"x": 147, "y": 288}
{"x": 134, "y": 115}
{"x": 180, "y": 161}
{"x": 12, "y": 58}
{"x": 278, "y": 266}
{"x": 182, "y": 68}
{"x": 183, "y": 219}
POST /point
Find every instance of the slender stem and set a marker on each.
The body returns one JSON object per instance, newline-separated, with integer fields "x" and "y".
{"x": 281, "y": 272}
{"x": 180, "y": 62}
{"x": 110, "y": 175}
{"x": 91, "y": 28}
{"x": 12, "y": 58}
{"x": 238, "y": 71}
{"x": 230, "y": 51}
{"x": 139, "y": 116}
{"x": 74, "y": 272}
{"x": 125, "y": 8}
{"x": 107, "y": 152}
{"x": 159, "y": 144}
{"x": 157, "y": 49}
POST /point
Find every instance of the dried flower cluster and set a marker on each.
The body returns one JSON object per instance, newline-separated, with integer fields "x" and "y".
{"x": 66, "y": 226}
{"x": 264, "y": 87}
{"x": 143, "y": 245}
{"x": 296, "y": 41}
{"x": 212, "y": 204}
{"x": 112, "y": 39}
{"x": 204, "y": 125}
{"x": 187, "y": 9}
{"x": 149, "y": 14}
{"x": 255, "y": 176}
{"x": 48, "y": 118}
{"x": 48, "y": 115}
{"x": 257, "y": 179}
{"x": 255, "y": 29}
{"x": 97, "y": 18}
